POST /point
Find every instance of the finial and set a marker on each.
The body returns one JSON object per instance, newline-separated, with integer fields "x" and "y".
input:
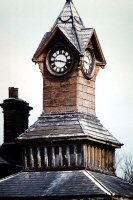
{"x": 68, "y": 1}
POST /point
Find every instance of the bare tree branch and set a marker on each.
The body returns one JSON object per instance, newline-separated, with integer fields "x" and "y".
{"x": 125, "y": 165}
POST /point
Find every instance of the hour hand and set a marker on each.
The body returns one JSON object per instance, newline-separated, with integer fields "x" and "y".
{"x": 86, "y": 62}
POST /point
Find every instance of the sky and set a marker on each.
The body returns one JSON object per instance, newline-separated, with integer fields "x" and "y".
{"x": 22, "y": 26}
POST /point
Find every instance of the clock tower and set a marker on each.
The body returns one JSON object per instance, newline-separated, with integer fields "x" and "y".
{"x": 67, "y": 152}
{"x": 69, "y": 57}
{"x": 68, "y": 135}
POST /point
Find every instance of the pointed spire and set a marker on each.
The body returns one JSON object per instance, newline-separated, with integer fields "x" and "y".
{"x": 71, "y": 25}
{"x": 70, "y": 21}
{"x": 69, "y": 17}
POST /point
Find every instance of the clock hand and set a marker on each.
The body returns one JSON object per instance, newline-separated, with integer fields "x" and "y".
{"x": 60, "y": 61}
{"x": 86, "y": 62}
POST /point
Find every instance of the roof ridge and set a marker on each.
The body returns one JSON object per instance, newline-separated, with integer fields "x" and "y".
{"x": 9, "y": 177}
{"x": 97, "y": 182}
{"x": 74, "y": 27}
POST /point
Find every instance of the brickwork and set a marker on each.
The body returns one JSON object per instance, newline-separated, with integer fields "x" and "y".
{"x": 72, "y": 92}
{"x": 85, "y": 94}
{"x": 60, "y": 93}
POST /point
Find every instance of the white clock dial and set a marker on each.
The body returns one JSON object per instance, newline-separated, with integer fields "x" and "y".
{"x": 88, "y": 64}
{"x": 59, "y": 61}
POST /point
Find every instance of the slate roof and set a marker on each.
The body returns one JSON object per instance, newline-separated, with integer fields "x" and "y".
{"x": 63, "y": 184}
{"x": 63, "y": 126}
{"x": 71, "y": 25}
{"x": 116, "y": 185}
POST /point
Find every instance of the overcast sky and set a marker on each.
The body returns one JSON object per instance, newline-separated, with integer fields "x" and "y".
{"x": 22, "y": 26}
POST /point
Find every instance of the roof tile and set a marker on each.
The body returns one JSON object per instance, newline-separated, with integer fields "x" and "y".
{"x": 64, "y": 184}
{"x": 68, "y": 125}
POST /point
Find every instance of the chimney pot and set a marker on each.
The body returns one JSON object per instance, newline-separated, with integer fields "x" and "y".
{"x": 13, "y": 92}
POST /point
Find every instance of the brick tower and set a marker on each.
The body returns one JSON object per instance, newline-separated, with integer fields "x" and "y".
{"x": 67, "y": 152}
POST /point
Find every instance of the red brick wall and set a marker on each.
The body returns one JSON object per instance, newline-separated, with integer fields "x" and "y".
{"x": 72, "y": 92}
{"x": 60, "y": 93}
{"x": 85, "y": 94}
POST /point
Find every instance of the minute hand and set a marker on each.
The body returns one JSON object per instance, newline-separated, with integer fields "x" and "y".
{"x": 62, "y": 61}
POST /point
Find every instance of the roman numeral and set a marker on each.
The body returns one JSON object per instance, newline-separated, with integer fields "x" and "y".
{"x": 58, "y": 69}
{"x": 55, "y": 68}
{"x": 52, "y": 63}
{"x": 54, "y": 55}
{"x": 63, "y": 52}
{"x": 57, "y": 52}
{"x": 66, "y": 53}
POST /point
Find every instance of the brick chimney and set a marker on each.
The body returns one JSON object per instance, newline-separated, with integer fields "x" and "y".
{"x": 16, "y": 113}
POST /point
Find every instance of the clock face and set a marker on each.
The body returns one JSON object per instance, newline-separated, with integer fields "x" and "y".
{"x": 59, "y": 61}
{"x": 88, "y": 66}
